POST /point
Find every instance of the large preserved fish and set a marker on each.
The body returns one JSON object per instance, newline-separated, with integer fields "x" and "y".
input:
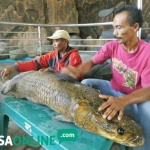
{"x": 77, "y": 102}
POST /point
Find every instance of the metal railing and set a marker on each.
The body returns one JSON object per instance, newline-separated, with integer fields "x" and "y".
{"x": 39, "y": 39}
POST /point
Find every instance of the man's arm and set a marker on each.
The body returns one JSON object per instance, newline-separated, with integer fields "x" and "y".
{"x": 77, "y": 72}
{"x": 117, "y": 104}
{"x": 19, "y": 67}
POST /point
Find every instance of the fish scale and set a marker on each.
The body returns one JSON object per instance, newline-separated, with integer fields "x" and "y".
{"x": 76, "y": 101}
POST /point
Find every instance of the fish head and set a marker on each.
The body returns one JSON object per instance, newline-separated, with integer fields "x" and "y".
{"x": 129, "y": 132}
{"x": 126, "y": 131}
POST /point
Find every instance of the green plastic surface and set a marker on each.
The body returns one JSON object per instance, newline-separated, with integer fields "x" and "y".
{"x": 40, "y": 123}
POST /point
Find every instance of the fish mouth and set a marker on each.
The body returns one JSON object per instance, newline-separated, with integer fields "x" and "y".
{"x": 135, "y": 141}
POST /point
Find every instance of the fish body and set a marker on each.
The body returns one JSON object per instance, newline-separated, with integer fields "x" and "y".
{"x": 75, "y": 101}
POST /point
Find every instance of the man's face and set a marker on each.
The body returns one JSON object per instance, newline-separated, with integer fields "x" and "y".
{"x": 60, "y": 44}
{"x": 123, "y": 31}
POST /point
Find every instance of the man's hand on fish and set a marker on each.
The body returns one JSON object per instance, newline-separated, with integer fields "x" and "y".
{"x": 113, "y": 105}
{"x": 71, "y": 71}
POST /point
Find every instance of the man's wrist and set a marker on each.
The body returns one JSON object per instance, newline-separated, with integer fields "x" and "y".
{"x": 15, "y": 67}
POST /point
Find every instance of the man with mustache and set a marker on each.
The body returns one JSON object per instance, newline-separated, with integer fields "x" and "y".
{"x": 62, "y": 56}
{"x": 129, "y": 89}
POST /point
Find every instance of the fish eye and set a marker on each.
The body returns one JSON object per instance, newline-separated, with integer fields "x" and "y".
{"x": 120, "y": 131}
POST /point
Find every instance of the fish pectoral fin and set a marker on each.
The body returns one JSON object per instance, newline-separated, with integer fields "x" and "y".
{"x": 61, "y": 118}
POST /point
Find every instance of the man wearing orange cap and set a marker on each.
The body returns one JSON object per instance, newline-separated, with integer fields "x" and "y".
{"x": 62, "y": 55}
